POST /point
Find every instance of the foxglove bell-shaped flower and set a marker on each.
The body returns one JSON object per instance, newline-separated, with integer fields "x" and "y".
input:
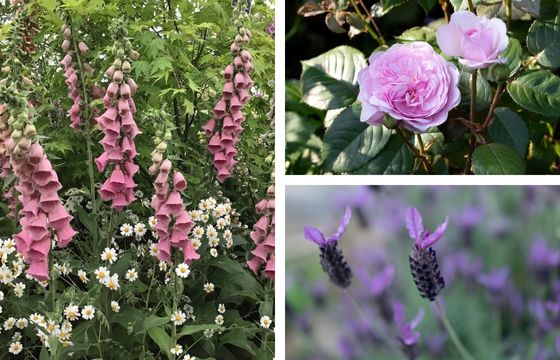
{"x": 263, "y": 235}
{"x": 332, "y": 260}
{"x": 423, "y": 262}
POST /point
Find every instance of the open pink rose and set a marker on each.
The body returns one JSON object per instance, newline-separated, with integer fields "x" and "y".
{"x": 411, "y": 83}
{"x": 477, "y": 41}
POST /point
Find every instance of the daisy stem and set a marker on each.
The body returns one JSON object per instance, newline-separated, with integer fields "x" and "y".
{"x": 454, "y": 338}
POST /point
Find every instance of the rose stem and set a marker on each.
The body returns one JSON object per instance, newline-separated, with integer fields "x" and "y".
{"x": 471, "y": 6}
{"x": 456, "y": 341}
{"x": 443, "y": 4}
{"x": 376, "y": 37}
{"x": 472, "y": 141}
{"x": 368, "y": 13}
{"x": 508, "y": 12}
{"x": 414, "y": 151}
{"x": 489, "y": 117}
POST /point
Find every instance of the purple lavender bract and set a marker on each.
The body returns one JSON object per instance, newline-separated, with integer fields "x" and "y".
{"x": 332, "y": 260}
{"x": 423, "y": 262}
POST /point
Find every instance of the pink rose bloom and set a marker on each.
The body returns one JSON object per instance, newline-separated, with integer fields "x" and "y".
{"x": 411, "y": 83}
{"x": 477, "y": 41}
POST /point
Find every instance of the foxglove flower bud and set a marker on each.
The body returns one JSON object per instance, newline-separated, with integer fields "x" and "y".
{"x": 332, "y": 260}
{"x": 423, "y": 262}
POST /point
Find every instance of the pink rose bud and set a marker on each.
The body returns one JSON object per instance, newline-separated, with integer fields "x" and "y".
{"x": 411, "y": 83}
{"x": 477, "y": 41}
{"x": 83, "y": 47}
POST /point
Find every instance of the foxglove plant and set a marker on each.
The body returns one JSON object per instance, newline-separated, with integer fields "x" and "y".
{"x": 118, "y": 125}
{"x": 173, "y": 221}
{"x": 227, "y": 112}
{"x": 42, "y": 214}
{"x": 332, "y": 260}
{"x": 263, "y": 235}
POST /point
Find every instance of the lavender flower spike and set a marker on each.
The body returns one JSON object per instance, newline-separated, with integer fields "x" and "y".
{"x": 409, "y": 337}
{"x": 423, "y": 262}
{"x": 332, "y": 260}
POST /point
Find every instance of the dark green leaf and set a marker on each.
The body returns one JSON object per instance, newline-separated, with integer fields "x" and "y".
{"x": 419, "y": 33}
{"x": 329, "y": 81}
{"x": 537, "y": 91}
{"x": 349, "y": 143}
{"x": 298, "y": 130}
{"x": 395, "y": 158}
{"x": 509, "y": 129}
{"x": 543, "y": 40}
{"x": 497, "y": 159}
{"x": 512, "y": 54}
{"x": 427, "y": 5}
{"x": 193, "y": 329}
{"x": 389, "y": 5}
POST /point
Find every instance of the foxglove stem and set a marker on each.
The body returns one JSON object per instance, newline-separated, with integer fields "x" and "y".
{"x": 372, "y": 324}
{"x": 87, "y": 131}
{"x": 454, "y": 338}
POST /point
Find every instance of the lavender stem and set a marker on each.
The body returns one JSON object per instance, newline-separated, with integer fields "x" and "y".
{"x": 456, "y": 341}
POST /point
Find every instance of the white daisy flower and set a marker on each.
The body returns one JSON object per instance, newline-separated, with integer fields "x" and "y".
{"x": 198, "y": 232}
{"x": 131, "y": 275}
{"x": 213, "y": 242}
{"x": 72, "y": 312}
{"x": 188, "y": 357}
{"x": 211, "y": 231}
{"x": 178, "y": 317}
{"x": 219, "y": 320}
{"x": 83, "y": 276}
{"x": 209, "y": 287}
{"x": 109, "y": 255}
{"x": 153, "y": 249}
{"x": 126, "y": 230}
{"x": 221, "y": 308}
{"x": 177, "y": 350}
{"x": 88, "y": 312}
{"x": 113, "y": 282}
{"x": 102, "y": 274}
{"x": 221, "y": 223}
{"x": 140, "y": 229}
{"x": 18, "y": 289}
{"x": 152, "y": 221}
{"x": 265, "y": 322}
{"x": 115, "y": 306}
{"x": 214, "y": 252}
{"x": 22, "y": 323}
{"x": 182, "y": 270}
{"x": 196, "y": 243}
{"x": 15, "y": 348}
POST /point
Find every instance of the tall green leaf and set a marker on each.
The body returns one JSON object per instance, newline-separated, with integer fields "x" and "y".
{"x": 329, "y": 81}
